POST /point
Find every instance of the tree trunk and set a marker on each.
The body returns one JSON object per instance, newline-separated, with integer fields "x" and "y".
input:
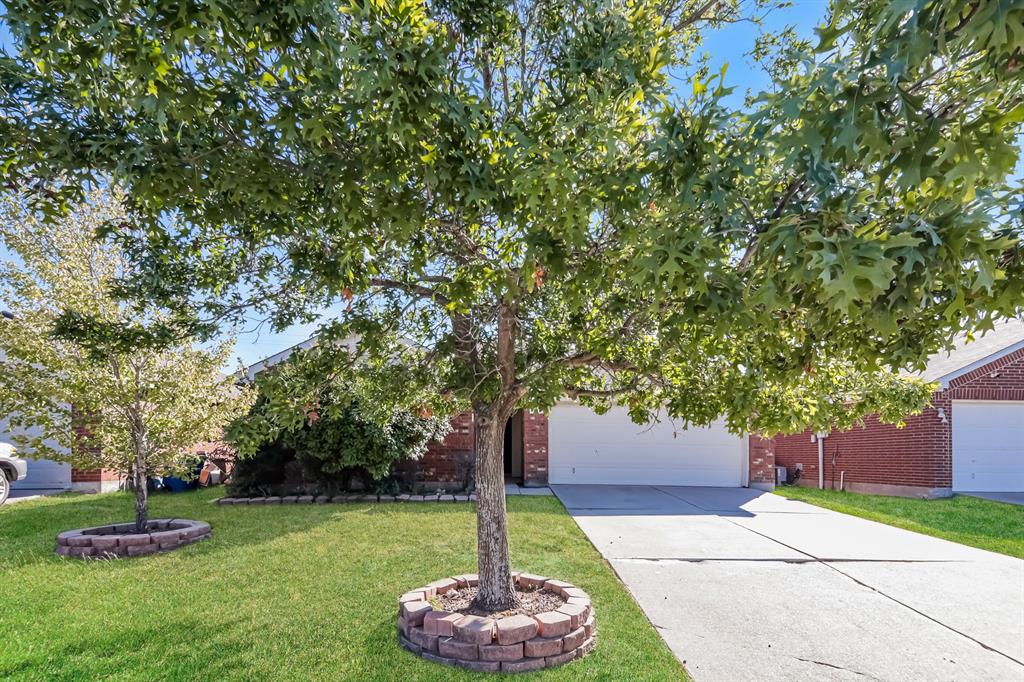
{"x": 140, "y": 481}
{"x": 496, "y": 589}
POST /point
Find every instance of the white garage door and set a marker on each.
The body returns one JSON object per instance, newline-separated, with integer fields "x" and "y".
{"x": 988, "y": 446}
{"x": 584, "y": 447}
{"x": 42, "y": 473}
{"x": 45, "y": 473}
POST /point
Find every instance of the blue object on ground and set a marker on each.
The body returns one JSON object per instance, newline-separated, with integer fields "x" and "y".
{"x": 177, "y": 485}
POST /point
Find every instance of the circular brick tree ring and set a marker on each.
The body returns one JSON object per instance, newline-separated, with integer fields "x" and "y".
{"x": 511, "y": 644}
{"x": 120, "y": 540}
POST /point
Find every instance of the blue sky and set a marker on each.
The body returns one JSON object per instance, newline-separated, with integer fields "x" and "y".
{"x": 727, "y": 45}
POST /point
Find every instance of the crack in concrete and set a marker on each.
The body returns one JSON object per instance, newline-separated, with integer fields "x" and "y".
{"x": 811, "y": 559}
{"x": 837, "y": 667}
{"x": 828, "y": 564}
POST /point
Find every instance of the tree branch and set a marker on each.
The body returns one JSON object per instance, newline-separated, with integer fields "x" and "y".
{"x": 748, "y": 256}
{"x": 410, "y": 288}
{"x": 787, "y": 196}
{"x": 695, "y": 16}
{"x": 506, "y": 342}
{"x": 575, "y": 393}
{"x": 466, "y": 342}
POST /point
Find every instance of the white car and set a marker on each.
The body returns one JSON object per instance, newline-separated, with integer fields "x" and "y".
{"x": 12, "y": 468}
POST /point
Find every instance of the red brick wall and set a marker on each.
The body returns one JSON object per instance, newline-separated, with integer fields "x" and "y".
{"x": 535, "y": 448}
{"x": 875, "y": 453}
{"x": 93, "y": 476}
{"x": 918, "y": 455}
{"x": 1007, "y": 384}
{"x": 445, "y": 462}
{"x": 761, "y": 460}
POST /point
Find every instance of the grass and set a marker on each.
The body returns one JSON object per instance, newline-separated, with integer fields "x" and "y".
{"x": 285, "y": 593}
{"x": 995, "y": 526}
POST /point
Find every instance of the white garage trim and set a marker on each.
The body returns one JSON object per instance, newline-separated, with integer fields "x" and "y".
{"x": 584, "y": 447}
{"x": 745, "y": 463}
{"x": 988, "y": 446}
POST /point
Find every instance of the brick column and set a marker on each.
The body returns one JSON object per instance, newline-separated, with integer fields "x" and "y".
{"x": 535, "y": 449}
{"x": 95, "y": 481}
{"x": 761, "y": 455}
{"x": 92, "y": 480}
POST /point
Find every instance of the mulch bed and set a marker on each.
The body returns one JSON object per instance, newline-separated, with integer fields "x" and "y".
{"x": 531, "y": 602}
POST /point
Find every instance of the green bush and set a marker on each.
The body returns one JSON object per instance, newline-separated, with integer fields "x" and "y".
{"x": 337, "y": 448}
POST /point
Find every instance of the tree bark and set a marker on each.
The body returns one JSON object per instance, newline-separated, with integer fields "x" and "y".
{"x": 140, "y": 481}
{"x": 496, "y": 591}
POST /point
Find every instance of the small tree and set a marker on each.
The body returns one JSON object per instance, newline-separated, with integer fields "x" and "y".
{"x": 517, "y": 200}
{"x": 98, "y": 406}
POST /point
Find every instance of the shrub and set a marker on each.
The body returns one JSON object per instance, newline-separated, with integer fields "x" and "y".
{"x": 337, "y": 448}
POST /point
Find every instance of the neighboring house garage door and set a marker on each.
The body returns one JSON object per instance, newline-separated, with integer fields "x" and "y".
{"x": 584, "y": 447}
{"x": 988, "y": 446}
{"x": 45, "y": 473}
{"x": 42, "y": 473}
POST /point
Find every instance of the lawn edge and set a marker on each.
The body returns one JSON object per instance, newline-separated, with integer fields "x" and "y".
{"x": 902, "y": 523}
{"x": 689, "y": 677}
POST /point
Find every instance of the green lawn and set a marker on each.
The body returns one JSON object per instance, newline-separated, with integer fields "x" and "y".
{"x": 994, "y": 526}
{"x": 298, "y": 592}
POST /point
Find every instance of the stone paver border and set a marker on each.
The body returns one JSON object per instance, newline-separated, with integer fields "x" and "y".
{"x": 342, "y": 499}
{"x": 119, "y": 540}
{"x": 512, "y": 644}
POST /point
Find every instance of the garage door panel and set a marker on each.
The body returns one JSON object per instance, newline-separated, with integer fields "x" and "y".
{"x": 988, "y": 446}
{"x": 45, "y": 474}
{"x": 42, "y": 473}
{"x": 584, "y": 447}
{"x": 606, "y": 476}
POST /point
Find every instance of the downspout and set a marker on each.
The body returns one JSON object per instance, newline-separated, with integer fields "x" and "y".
{"x": 821, "y": 459}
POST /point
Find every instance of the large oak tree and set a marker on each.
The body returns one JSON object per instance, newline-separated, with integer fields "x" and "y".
{"x": 519, "y": 200}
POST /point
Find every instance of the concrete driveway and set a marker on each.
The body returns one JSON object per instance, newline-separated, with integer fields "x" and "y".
{"x": 745, "y": 585}
{"x": 22, "y": 495}
{"x": 1008, "y": 498}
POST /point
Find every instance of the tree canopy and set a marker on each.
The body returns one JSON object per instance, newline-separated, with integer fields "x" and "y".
{"x": 516, "y": 201}
{"x": 534, "y": 156}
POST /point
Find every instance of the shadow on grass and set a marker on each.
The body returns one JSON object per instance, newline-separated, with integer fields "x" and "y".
{"x": 28, "y": 530}
{"x": 291, "y": 592}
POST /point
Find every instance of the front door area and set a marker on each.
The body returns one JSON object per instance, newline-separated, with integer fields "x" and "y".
{"x": 513, "y": 448}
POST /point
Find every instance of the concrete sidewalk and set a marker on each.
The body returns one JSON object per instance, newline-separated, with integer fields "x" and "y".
{"x": 23, "y": 495}
{"x": 745, "y": 585}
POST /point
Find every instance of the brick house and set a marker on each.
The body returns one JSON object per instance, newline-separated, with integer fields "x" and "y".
{"x": 572, "y": 444}
{"x": 971, "y": 438}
